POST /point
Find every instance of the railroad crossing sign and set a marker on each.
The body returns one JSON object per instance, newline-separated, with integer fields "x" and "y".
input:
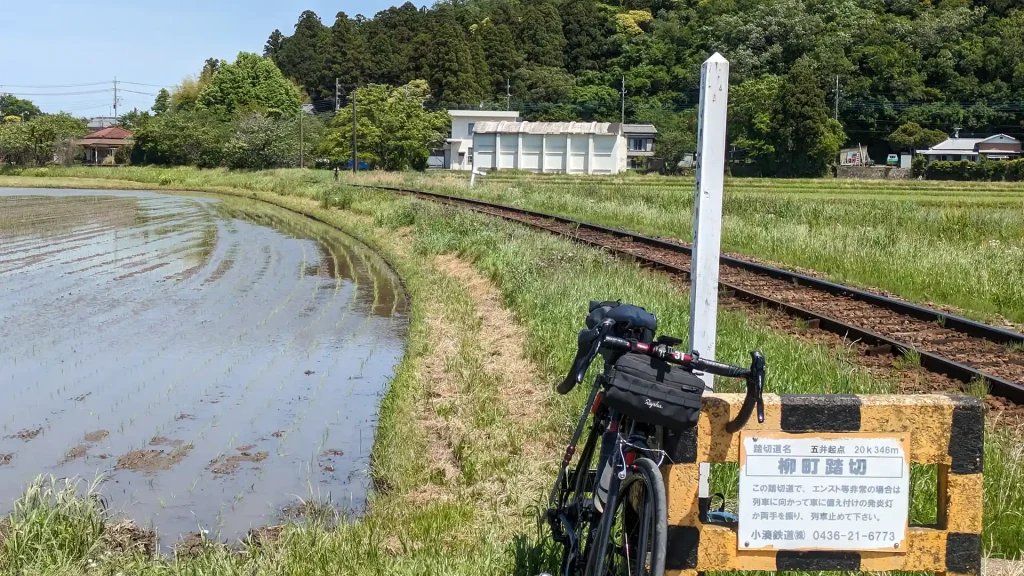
{"x": 846, "y": 491}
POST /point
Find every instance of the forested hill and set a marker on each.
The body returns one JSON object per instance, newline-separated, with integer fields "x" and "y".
{"x": 939, "y": 63}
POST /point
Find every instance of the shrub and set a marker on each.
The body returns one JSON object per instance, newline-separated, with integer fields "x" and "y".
{"x": 918, "y": 166}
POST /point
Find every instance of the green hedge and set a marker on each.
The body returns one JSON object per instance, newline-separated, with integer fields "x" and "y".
{"x": 991, "y": 170}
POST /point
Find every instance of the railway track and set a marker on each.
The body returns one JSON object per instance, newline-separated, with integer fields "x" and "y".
{"x": 957, "y": 347}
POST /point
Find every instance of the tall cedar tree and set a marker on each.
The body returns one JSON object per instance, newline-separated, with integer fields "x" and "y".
{"x": 588, "y": 35}
{"x": 540, "y": 34}
{"x": 803, "y": 130}
{"x": 303, "y": 56}
{"x": 348, "y": 58}
{"x": 480, "y": 69}
{"x": 500, "y": 51}
{"x": 448, "y": 61}
{"x": 162, "y": 102}
{"x": 273, "y": 44}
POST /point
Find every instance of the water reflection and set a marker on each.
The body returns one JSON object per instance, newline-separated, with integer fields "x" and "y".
{"x": 215, "y": 357}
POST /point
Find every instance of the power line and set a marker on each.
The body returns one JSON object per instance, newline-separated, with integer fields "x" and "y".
{"x": 43, "y": 86}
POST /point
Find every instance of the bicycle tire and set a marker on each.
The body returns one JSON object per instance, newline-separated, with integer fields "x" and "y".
{"x": 652, "y": 516}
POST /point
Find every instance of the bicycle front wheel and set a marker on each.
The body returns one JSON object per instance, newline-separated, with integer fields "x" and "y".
{"x": 636, "y": 528}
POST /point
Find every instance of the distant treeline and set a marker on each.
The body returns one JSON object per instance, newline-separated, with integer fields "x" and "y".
{"x": 939, "y": 63}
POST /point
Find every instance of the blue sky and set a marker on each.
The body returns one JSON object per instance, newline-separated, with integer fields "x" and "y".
{"x": 148, "y": 42}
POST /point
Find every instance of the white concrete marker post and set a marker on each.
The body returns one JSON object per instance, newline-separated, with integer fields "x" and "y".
{"x": 707, "y": 218}
{"x": 473, "y": 175}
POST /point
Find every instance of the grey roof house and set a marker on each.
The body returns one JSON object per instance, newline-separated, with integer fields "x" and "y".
{"x": 997, "y": 147}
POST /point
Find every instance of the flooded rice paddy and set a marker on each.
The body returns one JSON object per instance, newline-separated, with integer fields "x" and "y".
{"x": 214, "y": 359}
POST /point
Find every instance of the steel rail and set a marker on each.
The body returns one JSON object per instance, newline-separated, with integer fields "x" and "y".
{"x": 930, "y": 361}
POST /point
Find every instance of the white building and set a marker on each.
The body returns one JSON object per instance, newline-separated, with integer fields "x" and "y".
{"x": 559, "y": 147}
{"x": 458, "y": 150}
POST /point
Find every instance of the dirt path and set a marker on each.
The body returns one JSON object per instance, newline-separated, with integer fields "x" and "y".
{"x": 478, "y": 368}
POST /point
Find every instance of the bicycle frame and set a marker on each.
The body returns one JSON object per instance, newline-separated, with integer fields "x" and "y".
{"x": 576, "y": 485}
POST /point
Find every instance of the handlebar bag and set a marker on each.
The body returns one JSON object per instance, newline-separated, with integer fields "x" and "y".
{"x": 651, "y": 390}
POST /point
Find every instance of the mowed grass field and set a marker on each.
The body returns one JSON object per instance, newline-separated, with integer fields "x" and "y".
{"x": 951, "y": 244}
{"x": 478, "y": 516}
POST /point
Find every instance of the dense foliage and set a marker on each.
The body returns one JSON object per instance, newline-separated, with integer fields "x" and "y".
{"x": 242, "y": 114}
{"x": 937, "y": 63}
{"x": 394, "y": 131}
{"x": 1012, "y": 171}
{"x": 44, "y": 138}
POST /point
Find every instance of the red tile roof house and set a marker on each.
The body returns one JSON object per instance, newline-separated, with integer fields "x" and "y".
{"x": 102, "y": 145}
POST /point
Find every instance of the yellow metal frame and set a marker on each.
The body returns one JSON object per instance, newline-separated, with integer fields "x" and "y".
{"x": 947, "y": 431}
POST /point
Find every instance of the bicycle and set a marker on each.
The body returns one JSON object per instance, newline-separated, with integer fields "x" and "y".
{"x": 612, "y": 518}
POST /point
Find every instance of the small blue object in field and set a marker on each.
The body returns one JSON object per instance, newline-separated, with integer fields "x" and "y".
{"x": 362, "y": 165}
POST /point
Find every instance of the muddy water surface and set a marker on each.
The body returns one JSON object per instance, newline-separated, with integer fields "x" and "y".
{"x": 213, "y": 358}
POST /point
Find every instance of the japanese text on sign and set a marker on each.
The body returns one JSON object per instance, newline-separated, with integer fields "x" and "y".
{"x": 823, "y": 492}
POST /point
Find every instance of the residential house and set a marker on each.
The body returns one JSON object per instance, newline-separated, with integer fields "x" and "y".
{"x": 997, "y": 147}
{"x": 639, "y": 145}
{"x": 458, "y": 150}
{"x": 101, "y": 146}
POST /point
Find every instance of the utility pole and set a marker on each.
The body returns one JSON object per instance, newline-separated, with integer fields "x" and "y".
{"x": 623, "y": 100}
{"x": 355, "y": 156}
{"x": 337, "y": 94}
{"x": 508, "y": 94}
{"x": 115, "y": 97}
{"x": 837, "y": 97}
{"x": 302, "y": 140}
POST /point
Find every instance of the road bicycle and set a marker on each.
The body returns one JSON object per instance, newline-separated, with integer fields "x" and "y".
{"x": 609, "y": 511}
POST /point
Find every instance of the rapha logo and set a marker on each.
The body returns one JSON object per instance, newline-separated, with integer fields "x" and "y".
{"x": 652, "y": 404}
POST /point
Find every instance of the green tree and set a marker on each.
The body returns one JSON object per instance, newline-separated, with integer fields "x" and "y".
{"x": 15, "y": 143}
{"x": 133, "y": 120}
{"x": 395, "y": 131}
{"x": 499, "y": 52}
{"x": 677, "y": 131}
{"x": 349, "y": 59}
{"x": 260, "y": 142}
{"x": 11, "y": 105}
{"x": 303, "y": 56}
{"x": 588, "y": 33}
{"x": 273, "y": 45}
{"x": 163, "y": 102}
{"x": 47, "y": 132}
{"x": 911, "y": 136}
{"x": 806, "y": 139}
{"x": 751, "y": 119}
{"x": 185, "y": 96}
{"x": 210, "y": 69}
{"x": 448, "y": 61}
{"x": 182, "y": 138}
{"x": 540, "y": 34}
{"x": 251, "y": 82}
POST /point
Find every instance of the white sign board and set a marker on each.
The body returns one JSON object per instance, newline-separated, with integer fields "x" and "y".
{"x": 824, "y": 491}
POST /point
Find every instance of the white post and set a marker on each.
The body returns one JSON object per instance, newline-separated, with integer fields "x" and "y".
{"x": 497, "y": 150}
{"x": 707, "y": 219}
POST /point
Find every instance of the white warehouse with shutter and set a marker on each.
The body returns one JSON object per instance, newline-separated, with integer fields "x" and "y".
{"x": 550, "y": 147}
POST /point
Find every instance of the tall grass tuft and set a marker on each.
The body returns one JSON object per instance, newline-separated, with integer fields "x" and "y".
{"x": 55, "y": 525}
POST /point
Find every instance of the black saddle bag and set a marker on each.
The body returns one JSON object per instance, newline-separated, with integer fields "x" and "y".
{"x": 653, "y": 391}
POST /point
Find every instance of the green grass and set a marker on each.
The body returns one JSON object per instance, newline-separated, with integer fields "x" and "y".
{"x": 955, "y": 244}
{"x": 545, "y": 282}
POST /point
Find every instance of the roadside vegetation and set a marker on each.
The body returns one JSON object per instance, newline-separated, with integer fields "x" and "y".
{"x": 942, "y": 243}
{"x": 466, "y": 444}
